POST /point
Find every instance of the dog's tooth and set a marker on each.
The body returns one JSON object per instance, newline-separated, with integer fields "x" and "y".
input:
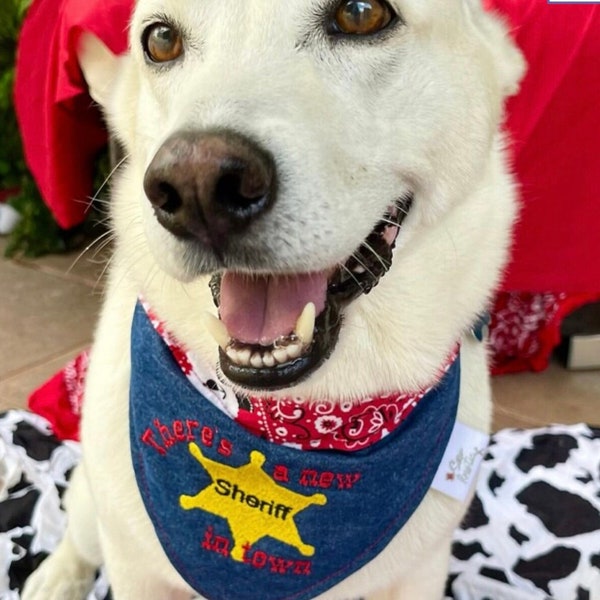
{"x": 217, "y": 329}
{"x": 244, "y": 356}
{"x": 359, "y": 270}
{"x": 233, "y": 355}
{"x": 294, "y": 350}
{"x": 256, "y": 361}
{"x": 305, "y": 326}
{"x": 268, "y": 359}
{"x": 280, "y": 355}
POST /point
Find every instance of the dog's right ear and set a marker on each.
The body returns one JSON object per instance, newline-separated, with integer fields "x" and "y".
{"x": 99, "y": 66}
{"x": 508, "y": 60}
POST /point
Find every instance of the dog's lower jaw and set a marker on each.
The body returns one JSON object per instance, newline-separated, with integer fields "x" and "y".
{"x": 293, "y": 371}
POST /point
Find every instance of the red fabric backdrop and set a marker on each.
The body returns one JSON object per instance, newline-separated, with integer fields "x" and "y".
{"x": 555, "y": 127}
{"x": 61, "y": 128}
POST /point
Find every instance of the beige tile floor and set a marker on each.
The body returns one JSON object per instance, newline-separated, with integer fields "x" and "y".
{"x": 47, "y": 313}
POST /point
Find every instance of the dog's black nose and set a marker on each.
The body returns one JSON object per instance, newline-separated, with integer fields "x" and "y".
{"x": 209, "y": 184}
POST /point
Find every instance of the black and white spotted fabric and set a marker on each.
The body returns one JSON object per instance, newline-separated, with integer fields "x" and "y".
{"x": 533, "y": 529}
{"x": 34, "y": 472}
{"x": 532, "y": 532}
{"x": 34, "y": 468}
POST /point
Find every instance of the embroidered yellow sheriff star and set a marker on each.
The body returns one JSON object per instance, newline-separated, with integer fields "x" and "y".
{"x": 252, "y": 503}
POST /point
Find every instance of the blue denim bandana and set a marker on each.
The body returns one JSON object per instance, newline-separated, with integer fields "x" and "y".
{"x": 243, "y": 518}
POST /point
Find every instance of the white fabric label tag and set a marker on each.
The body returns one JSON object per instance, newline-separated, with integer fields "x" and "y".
{"x": 460, "y": 463}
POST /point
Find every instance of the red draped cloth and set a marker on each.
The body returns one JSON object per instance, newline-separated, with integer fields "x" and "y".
{"x": 62, "y": 130}
{"x": 554, "y": 123}
{"x": 555, "y": 128}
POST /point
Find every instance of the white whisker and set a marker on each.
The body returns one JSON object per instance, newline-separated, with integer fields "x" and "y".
{"x": 102, "y": 240}
{"x": 364, "y": 266}
{"x": 343, "y": 266}
{"x": 385, "y": 265}
{"x": 109, "y": 176}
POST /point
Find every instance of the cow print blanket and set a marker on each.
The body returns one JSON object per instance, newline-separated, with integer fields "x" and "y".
{"x": 532, "y": 532}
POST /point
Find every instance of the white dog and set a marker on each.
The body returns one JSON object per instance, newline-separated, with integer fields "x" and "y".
{"x": 327, "y": 179}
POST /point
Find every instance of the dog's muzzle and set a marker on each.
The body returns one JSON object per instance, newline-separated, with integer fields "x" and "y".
{"x": 273, "y": 330}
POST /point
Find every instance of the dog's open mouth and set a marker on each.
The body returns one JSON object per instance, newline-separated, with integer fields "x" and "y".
{"x": 274, "y": 330}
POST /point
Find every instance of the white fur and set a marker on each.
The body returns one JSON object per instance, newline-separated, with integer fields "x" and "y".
{"x": 352, "y": 127}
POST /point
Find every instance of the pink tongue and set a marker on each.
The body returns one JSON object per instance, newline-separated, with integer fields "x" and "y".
{"x": 261, "y": 309}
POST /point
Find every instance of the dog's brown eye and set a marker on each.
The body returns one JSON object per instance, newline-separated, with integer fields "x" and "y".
{"x": 362, "y": 17}
{"x": 162, "y": 43}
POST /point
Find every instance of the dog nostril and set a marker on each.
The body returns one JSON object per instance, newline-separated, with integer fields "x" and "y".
{"x": 170, "y": 199}
{"x": 242, "y": 192}
{"x": 164, "y": 196}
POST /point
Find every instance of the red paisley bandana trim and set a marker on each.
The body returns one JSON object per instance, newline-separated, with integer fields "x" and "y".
{"x": 318, "y": 425}
{"x": 345, "y": 426}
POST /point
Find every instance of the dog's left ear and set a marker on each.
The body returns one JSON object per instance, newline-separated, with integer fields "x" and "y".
{"x": 99, "y": 66}
{"x": 492, "y": 31}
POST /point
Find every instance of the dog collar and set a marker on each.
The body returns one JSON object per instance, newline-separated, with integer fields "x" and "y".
{"x": 346, "y": 426}
{"x": 240, "y": 517}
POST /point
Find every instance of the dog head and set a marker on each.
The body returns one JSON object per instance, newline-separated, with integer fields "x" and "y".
{"x": 332, "y": 167}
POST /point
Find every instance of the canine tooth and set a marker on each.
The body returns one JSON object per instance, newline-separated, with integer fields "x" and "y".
{"x": 294, "y": 350}
{"x": 280, "y": 355}
{"x": 233, "y": 355}
{"x": 359, "y": 270}
{"x": 217, "y": 329}
{"x": 268, "y": 360}
{"x": 305, "y": 326}
{"x": 256, "y": 361}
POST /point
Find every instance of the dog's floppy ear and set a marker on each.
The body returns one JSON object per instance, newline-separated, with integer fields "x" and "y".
{"x": 99, "y": 66}
{"x": 507, "y": 59}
